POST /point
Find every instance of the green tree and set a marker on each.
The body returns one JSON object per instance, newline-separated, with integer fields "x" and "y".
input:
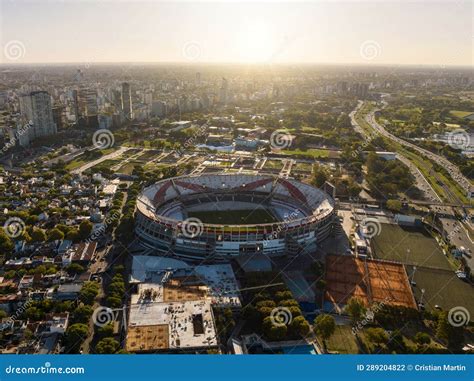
{"x": 73, "y": 235}
{"x": 394, "y": 205}
{"x": 55, "y": 234}
{"x": 38, "y": 235}
{"x": 107, "y": 345}
{"x": 319, "y": 175}
{"x": 6, "y": 244}
{"x": 88, "y": 292}
{"x": 74, "y": 268}
{"x": 82, "y": 314}
{"x": 85, "y": 229}
{"x": 376, "y": 335}
{"x": 422, "y": 338}
{"x": 324, "y": 326}
{"x": 355, "y": 308}
{"x": 299, "y": 326}
{"x": 105, "y": 331}
{"x": 272, "y": 331}
{"x": 75, "y": 335}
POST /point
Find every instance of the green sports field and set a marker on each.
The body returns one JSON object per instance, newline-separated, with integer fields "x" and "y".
{"x": 394, "y": 241}
{"x": 235, "y": 217}
{"x": 442, "y": 288}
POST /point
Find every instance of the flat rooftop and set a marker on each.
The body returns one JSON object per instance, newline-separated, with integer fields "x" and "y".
{"x": 222, "y": 286}
{"x": 175, "y": 325}
{"x": 371, "y": 281}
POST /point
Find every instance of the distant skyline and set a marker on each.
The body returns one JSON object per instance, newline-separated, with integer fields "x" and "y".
{"x": 362, "y": 32}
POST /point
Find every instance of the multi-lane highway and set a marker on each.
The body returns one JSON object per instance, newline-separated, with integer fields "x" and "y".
{"x": 452, "y": 169}
{"x": 457, "y": 231}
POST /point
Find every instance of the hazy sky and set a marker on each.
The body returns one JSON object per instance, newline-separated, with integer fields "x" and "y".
{"x": 372, "y": 32}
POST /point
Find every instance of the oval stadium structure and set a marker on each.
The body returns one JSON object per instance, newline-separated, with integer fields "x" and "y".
{"x": 219, "y": 216}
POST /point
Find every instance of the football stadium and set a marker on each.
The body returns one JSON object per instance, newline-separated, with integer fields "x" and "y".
{"x": 220, "y": 216}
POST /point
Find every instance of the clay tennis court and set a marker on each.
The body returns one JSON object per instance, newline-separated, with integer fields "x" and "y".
{"x": 371, "y": 281}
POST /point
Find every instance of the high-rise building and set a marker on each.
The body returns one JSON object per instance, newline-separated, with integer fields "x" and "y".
{"x": 158, "y": 109}
{"x": 37, "y": 114}
{"x": 223, "y": 91}
{"x": 127, "y": 100}
{"x": 58, "y": 117}
{"x": 75, "y": 105}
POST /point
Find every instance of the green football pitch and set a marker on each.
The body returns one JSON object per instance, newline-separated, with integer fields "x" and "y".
{"x": 235, "y": 217}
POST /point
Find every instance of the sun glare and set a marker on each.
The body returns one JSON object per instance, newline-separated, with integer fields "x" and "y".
{"x": 257, "y": 43}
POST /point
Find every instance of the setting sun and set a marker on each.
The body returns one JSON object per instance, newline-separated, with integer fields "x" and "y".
{"x": 257, "y": 42}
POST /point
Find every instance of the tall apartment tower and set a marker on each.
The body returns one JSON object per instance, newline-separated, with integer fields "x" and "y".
{"x": 37, "y": 112}
{"x": 127, "y": 100}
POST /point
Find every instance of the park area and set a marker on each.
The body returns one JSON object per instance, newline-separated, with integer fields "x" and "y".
{"x": 412, "y": 246}
{"x": 343, "y": 341}
{"x": 434, "y": 274}
{"x": 442, "y": 288}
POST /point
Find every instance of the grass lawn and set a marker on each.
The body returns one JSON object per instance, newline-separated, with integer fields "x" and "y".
{"x": 343, "y": 341}
{"x": 461, "y": 114}
{"x": 148, "y": 155}
{"x": 127, "y": 168}
{"x": 273, "y": 164}
{"x": 312, "y": 152}
{"x": 235, "y": 217}
{"x": 393, "y": 242}
{"x": 442, "y": 288}
{"x": 307, "y": 167}
{"x": 87, "y": 157}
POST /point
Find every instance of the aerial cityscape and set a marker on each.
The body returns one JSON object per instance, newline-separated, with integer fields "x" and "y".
{"x": 179, "y": 200}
